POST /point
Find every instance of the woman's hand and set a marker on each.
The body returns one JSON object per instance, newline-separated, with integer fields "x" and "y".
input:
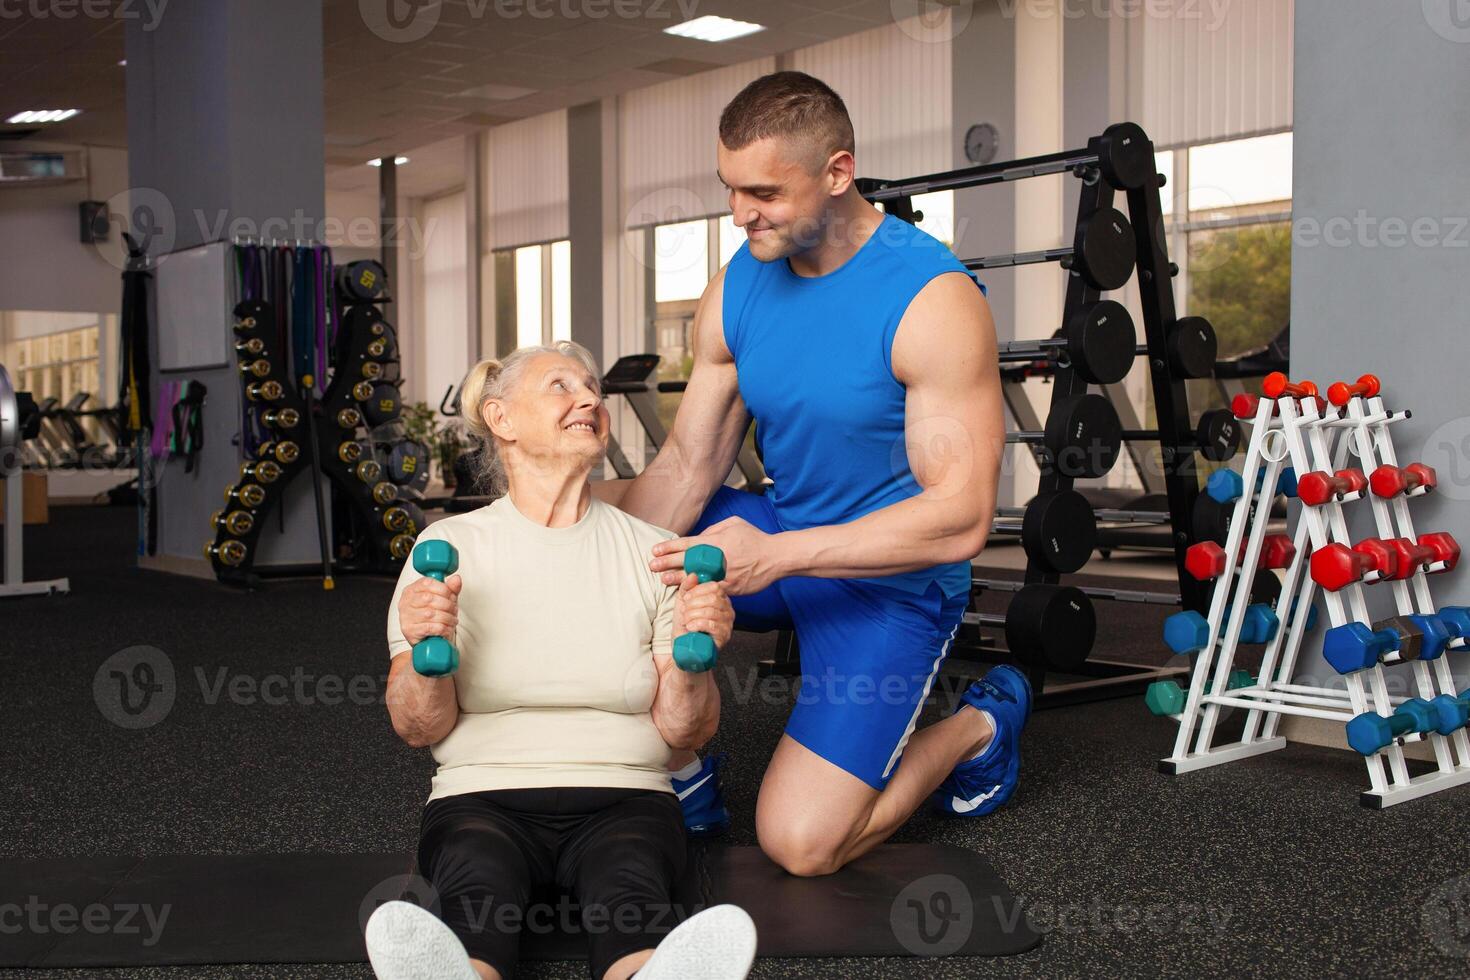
{"x": 703, "y": 609}
{"x": 429, "y": 607}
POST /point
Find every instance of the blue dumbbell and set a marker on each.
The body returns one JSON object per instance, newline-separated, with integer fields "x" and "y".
{"x": 1223, "y": 486}
{"x": 1456, "y": 619}
{"x": 1451, "y": 713}
{"x": 1259, "y": 624}
{"x": 1353, "y": 646}
{"x": 1371, "y": 732}
{"x": 434, "y": 656}
{"x": 696, "y": 652}
{"x": 1285, "y": 482}
{"x": 1311, "y": 614}
{"x": 1436, "y": 635}
{"x": 1186, "y": 632}
{"x": 1189, "y": 632}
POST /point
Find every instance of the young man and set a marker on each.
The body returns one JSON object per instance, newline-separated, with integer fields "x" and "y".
{"x": 866, "y": 354}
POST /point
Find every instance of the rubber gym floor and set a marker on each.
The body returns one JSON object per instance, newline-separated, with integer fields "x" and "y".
{"x": 1263, "y": 867}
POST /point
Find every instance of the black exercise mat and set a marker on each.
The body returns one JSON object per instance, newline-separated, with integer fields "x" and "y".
{"x": 902, "y": 899}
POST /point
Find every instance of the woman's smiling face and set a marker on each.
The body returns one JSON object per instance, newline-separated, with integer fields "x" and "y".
{"x": 557, "y": 410}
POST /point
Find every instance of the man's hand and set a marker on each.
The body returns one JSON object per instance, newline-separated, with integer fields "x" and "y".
{"x": 703, "y": 609}
{"x": 750, "y": 556}
{"x": 429, "y": 607}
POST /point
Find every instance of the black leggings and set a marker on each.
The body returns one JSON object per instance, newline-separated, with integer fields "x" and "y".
{"x": 493, "y": 857}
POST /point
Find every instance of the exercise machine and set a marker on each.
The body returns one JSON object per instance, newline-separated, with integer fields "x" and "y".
{"x": 629, "y": 376}
{"x": 20, "y": 421}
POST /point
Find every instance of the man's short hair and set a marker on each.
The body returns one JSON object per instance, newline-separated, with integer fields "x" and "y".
{"x": 791, "y": 106}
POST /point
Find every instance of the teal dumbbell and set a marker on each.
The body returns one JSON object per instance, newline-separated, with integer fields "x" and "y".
{"x": 696, "y": 652}
{"x": 1238, "y": 679}
{"x": 1164, "y": 698}
{"x": 434, "y": 656}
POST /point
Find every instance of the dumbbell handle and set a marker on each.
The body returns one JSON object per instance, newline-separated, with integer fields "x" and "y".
{"x": 1340, "y": 393}
{"x": 1276, "y": 385}
{"x": 1389, "y": 481}
{"x": 1418, "y": 556}
{"x": 1318, "y": 488}
{"x": 1399, "y": 724}
{"x": 696, "y": 652}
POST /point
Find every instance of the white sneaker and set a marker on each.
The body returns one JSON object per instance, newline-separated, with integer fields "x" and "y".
{"x": 716, "y": 944}
{"x": 405, "y": 942}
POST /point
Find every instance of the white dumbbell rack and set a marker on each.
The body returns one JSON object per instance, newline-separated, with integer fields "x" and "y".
{"x": 1313, "y": 436}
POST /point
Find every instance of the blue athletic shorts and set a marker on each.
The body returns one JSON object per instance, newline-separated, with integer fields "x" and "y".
{"x": 869, "y": 653}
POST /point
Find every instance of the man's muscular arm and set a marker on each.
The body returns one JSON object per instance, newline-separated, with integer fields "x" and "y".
{"x": 945, "y": 355}
{"x": 708, "y": 430}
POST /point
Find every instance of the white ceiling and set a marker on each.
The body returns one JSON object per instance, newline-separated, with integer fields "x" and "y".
{"x": 415, "y": 97}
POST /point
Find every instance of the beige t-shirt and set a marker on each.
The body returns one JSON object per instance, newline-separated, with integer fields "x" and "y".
{"x": 557, "y": 632}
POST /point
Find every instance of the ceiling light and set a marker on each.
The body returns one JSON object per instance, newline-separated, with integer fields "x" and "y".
{"x": 397, "y": 161}
{"x": 123, "y": 63}
{"x": 712, "y": 28}
{"x": 43, "y": 115}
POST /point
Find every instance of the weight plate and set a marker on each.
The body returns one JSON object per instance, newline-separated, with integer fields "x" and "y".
{"x": 382, "y": 405}
{"x": 1127, "y": 156}
{"x": 1105, "y": 249}
{"x": 1100, "y": 340}
{"x": 1055, "y": 623}
{"x": 1059, "y": 530}
{"x": 1218, "y": 434}
{"x": 1083, "y": 436}
{"x": 1193, "y": 347}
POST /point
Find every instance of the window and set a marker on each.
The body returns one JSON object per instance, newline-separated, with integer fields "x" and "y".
{"x": 58, "y": 365}
{"x": 681, "y": 261}
{"x": 1230, "y": 233}
{"x": 561, "y": 290}
{"x": 533, "y": 295}
{"x": 529, "y": 326}
{"x": 1229, "y": 226}
{"x": 937, "y": 209}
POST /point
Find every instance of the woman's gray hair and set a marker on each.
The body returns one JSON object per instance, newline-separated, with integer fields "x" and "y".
{"x": 497, "y": 378}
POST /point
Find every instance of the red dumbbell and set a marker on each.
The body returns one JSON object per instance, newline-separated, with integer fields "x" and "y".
{"x": 1317, "y": 488}
{"x": 1277, "y": 386}
{"x": 1205, "y": 561}
{"x": 1444, "y": 546}
{"x": 1245, "y": 406}
{"x": 1390, "y": 481}
{"x": 1277, "y": 551}
{"x": 1337, "y": 565}
{"x": 1341, "y": 393}
{"x": 1408, "y": 557}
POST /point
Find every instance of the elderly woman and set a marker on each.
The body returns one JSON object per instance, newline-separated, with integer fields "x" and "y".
{"x": 554, "y": 735}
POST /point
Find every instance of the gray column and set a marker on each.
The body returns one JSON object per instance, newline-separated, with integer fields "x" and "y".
{"x": 1381, "y": 234}
{"x": 224, "y": 103}
{"x": 585, "y": 225}
{"x": 984, "y": 90}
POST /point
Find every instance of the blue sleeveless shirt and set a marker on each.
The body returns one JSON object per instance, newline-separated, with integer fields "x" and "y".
{"x": 814, "y": 359}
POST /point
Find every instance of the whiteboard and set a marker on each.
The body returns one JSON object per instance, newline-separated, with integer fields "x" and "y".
{"x": 194, "y": 290}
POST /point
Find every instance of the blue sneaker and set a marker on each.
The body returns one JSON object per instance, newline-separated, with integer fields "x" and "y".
{"x": 703, "y": 802}
{"x": 984, "y": 784}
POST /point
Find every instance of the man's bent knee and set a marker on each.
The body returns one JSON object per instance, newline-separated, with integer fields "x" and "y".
{"x": 806, "y": 855}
